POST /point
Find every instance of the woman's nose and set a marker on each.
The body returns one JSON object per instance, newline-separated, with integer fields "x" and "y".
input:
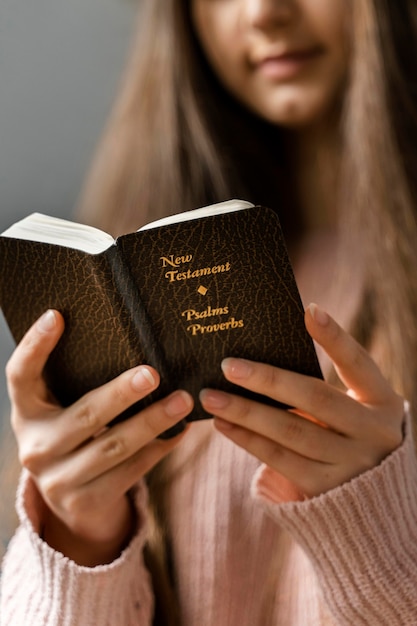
{"x": 267, "y": 14}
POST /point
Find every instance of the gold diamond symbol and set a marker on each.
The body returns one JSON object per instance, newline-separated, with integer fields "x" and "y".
{"x": 202, "y": 290}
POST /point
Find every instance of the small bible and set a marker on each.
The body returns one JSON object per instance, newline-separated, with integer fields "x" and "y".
{"x": 179, "y": 294}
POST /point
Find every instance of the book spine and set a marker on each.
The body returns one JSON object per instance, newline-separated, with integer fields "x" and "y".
{"x": 139, "y": 330}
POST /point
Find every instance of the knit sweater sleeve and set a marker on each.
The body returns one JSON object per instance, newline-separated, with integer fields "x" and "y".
{"x": 361, "y": 538}
{"x": 43, "y": 587}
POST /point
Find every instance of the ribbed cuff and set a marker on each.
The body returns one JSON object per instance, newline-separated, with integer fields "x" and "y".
{"x": 361, "y": 538}
{"x": 43, "y": 586}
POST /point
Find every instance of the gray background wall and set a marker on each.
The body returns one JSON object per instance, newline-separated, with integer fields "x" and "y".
{"x": 60, "y": 66}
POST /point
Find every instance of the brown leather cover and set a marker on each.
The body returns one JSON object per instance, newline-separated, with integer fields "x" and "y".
{"x": 142, "y": 299}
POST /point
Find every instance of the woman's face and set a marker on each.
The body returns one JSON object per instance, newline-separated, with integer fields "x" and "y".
{"x": 286, "y": 60}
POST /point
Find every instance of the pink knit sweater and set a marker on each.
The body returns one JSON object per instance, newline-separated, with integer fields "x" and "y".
{"x": 246, "y": 553}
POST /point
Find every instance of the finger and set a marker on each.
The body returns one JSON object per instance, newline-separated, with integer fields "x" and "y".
{"x": 59, "y": 432}
{"x": 25, "y": 367}
{"x": 64, "y": 493}
{"x": 77, "y": 424}
{"x": 310, "y": 477}
{"x": 308, "y": 394}
{"x": 127, "y": 474}
{"x": 354, "y": 365}
{"x": 123, "y": 441}
{"x": 287, "y": 429}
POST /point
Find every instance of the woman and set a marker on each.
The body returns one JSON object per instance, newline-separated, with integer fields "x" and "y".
{"x": 305, "y": 105}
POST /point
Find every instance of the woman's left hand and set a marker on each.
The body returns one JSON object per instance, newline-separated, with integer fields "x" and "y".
{"x": 332, "y": 435}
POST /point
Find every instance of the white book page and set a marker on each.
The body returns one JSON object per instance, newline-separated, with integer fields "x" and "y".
{"x": 55, "y": 230}
{"x": 213, "y": 209}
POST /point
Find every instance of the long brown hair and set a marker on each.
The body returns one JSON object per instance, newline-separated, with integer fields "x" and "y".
{"x": 379, "y": 196}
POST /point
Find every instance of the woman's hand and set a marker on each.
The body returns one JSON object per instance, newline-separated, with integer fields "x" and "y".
{"x": 332, "y": 435}
{"x": 82, "y": 470}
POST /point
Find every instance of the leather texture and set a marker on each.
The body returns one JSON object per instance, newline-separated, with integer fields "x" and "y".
{"x": 230, "y": 273}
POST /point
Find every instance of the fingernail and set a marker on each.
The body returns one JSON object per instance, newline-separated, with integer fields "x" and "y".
{"x": 178, "y": 404}
{"x": 143, "y": 379}
{"x": 214, "y": 399}
{"x": 47, "y": 322}
{"x": 236, "y": 368}
{"x": 318, "y": 315}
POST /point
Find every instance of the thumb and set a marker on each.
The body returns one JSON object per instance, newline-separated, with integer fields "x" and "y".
{"x": 25, "y": 367}
{"x": 355, "y": 367}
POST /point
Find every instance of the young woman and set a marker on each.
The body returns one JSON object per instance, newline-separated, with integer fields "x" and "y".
{"x": 273, "y": 517}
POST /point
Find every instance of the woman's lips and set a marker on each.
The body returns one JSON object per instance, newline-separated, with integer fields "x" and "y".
{"x": 286, "y": 65}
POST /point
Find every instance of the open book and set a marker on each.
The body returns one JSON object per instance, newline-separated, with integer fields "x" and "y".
{"x": 180, "y": 294}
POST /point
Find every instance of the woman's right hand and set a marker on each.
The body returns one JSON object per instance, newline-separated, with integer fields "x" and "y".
{"x": 82, "y": 470}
